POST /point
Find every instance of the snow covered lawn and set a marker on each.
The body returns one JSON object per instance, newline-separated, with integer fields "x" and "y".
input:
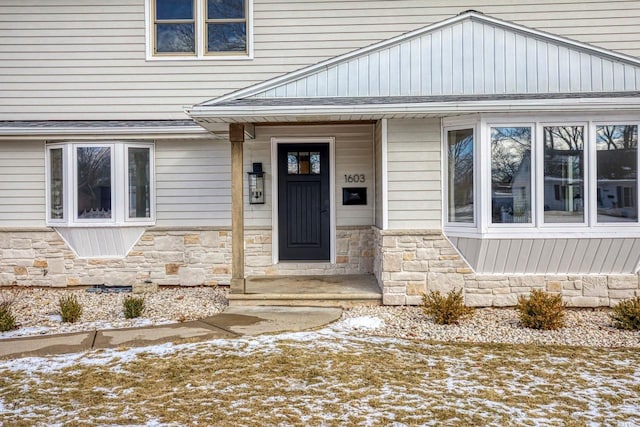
{"x": 335, "y": 376}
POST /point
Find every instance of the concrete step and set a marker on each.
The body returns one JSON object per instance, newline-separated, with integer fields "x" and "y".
{"x": 305, "y": 300}
{"x": 309, "y": 291}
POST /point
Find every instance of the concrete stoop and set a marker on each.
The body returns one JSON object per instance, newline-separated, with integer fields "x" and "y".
{"x": 342, "y": 291}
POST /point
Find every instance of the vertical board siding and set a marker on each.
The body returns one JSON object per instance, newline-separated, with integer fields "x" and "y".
{"x": 69, "y": 60}
{"x": 414, "y": 173}
{"x": 468, "y": 58}
{"x": 353, "y": 155}
{"x": 22, "y": 184}
{"x": 193, "y": 183}
{"x": 550, "y": 256}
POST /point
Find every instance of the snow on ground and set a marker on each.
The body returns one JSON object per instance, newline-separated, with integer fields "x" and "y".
{"x": 385, "y": 380}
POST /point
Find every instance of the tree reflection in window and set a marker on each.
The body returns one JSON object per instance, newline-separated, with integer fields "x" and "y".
{"x": 564, "y": 174}
{"x": 511, "y": 175}
{"x": 94, "y": 182}
{"x": 460, "y": 175}
{"x": 175, "y": 26}
{"x": 617, "y": 173}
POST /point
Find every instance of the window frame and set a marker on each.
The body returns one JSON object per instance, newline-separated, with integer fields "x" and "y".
{"x": 119, "y": 185}
{"x": 487, "y": 203}
{"x": 593, "y": 213}
{"x": 587, "y": 187}
{"x": 445, "y": 178}
{"x": 200, "y": 35}
{"x": 483, "y": 227}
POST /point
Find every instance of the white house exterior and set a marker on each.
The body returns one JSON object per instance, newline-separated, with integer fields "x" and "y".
{"x": 493, "y": 150}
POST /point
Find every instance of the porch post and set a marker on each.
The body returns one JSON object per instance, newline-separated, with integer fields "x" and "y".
{"x": 236, "y": 137}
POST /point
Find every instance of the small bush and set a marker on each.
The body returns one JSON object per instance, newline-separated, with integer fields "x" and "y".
{"x": 7, "y": 319}
{"x": 626, "y": 314}
{"x": 70, "y": 308}
{"x": 541, "y": 310}
{"x": 133, "y": 307}
{"x": 446, "y": 310}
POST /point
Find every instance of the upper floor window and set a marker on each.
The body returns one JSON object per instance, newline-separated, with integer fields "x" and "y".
{"x": 200, "y": 28}
{"x": 100, "y": 183}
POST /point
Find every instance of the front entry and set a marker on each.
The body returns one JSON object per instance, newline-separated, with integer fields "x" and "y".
{"x": 304, "y": 204}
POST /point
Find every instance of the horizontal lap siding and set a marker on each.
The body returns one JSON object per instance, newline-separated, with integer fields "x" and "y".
{"x": 193, "y": 183}
{"x": 353, "y": 154}
{"x": 22, "y": 184}
{"x": 86, "y": 60}
{"x": 413, "y": 158}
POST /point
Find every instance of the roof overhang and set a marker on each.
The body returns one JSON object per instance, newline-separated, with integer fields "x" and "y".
{"x": 108, "y": 130}
{"x": 339, "y": 110}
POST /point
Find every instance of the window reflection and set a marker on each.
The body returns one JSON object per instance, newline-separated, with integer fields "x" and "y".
{"x": 56, "y": 191}
{"x": 564, "y": 174}
{"x": 94, "y": 182}
{"x": 175, "y": 26}
{"x": 139, "y": 183}
{"x": 460, "y": 175}
{"x": 511, "y": 175}
{"x": 617, "y": 173}
{"x": 303, "y": 163}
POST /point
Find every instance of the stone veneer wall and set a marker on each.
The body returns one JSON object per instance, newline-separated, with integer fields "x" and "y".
{"x": 167, "y": 256}
{"x": 354, "y": 255}
{"x": 412, "y": 262}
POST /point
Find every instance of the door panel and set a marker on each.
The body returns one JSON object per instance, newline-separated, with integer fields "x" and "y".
{"x": 304, "y": 202}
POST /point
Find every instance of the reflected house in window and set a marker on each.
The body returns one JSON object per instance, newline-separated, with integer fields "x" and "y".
{"x": 617, "y": 173}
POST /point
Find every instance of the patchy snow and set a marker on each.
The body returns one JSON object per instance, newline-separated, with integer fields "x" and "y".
{"x": 358, "y": 323}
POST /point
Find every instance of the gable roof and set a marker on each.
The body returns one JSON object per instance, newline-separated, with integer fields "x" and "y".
{"x": 470, "y": 54}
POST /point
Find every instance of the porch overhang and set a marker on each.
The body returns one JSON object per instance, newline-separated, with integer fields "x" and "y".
{"x": 349, "y": 109}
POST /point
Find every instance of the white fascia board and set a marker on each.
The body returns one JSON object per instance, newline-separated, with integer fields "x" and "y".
{"x": 580, "y": 104}
{"x": 102, "y": 133}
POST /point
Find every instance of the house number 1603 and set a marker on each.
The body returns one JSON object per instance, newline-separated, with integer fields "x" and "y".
{"x": 354, "y": 178}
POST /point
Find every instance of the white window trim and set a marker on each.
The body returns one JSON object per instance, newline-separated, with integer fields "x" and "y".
{"x": 486, "y": 190}
{"x": 119, "y": 185}
{"x": 445, "y": 177}
{"x": 483, "y": 227}
{"x": 200, "y": 31}
{"x": 74, "y": 184}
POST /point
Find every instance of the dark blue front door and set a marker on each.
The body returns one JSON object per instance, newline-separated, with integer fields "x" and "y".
{"x": 303, "y": 202}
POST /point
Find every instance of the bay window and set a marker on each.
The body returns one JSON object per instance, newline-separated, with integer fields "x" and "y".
{"x": 547, "y": 174}
{"x": 99, "y": 184}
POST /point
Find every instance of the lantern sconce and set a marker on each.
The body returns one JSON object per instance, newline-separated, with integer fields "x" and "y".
{"x": 256, "y": 185}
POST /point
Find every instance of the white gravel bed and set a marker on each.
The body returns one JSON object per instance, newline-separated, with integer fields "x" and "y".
{"x": 583, "y": 327}
{"x": 36, "y": 309}
{"x": 36, "y": 312}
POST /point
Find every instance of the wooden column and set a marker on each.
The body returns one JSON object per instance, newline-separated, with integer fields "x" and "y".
{"x": 236, "y": 137}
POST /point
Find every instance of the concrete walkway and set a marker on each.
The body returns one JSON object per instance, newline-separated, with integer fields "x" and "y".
{"x": 233, "y": 322}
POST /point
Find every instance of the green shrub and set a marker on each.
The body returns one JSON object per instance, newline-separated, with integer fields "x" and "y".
{"x": 626, "y": 314}
{"x": 541, "y": 310}
{"x": 7, "y": 319}
{"x": 445, "y": 310}
{"x": 133, "y": 307}
{"x": 70, "y": 308}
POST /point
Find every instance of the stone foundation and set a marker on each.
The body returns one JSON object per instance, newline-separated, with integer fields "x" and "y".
{"x": 410, "y": 263}
{"x": 354, "y": 255}
{"x": 166, "y": 256}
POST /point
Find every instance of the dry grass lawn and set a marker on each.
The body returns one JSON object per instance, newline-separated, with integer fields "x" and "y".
{"x": 324, "y": 378}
